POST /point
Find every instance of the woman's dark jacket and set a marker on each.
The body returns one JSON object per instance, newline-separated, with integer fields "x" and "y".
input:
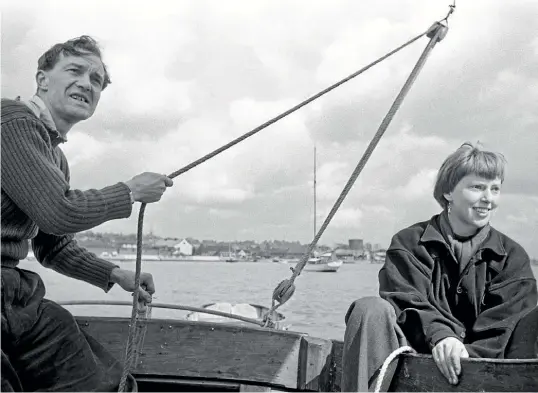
{"x": 480, "y": 306}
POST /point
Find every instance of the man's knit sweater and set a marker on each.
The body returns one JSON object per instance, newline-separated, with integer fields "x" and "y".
{"x": 38, "y": 204}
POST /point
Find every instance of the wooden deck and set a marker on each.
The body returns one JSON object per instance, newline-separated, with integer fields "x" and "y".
{"x": 178, "y": 355}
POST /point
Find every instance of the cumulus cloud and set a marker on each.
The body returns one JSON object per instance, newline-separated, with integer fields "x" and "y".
{"x": 419, "y": 185}
{"x": 347, "y": 218}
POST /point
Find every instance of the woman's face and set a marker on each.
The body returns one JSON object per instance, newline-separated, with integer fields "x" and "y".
{"x": 472, "y": 202}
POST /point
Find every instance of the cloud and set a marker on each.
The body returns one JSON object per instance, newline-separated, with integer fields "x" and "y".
{"x": 517, "y": 217}
{"x": 223, "y": 213}
{"x": 420, "y": 185}
{"x": 347, "y": 218}
{"x": 190, "y": 76}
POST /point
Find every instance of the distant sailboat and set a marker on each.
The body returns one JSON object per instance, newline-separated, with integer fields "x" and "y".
{"x": 326, "y": 262}
{"x": 231, "y": 257}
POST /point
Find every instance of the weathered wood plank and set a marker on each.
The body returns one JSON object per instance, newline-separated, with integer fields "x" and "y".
{"x": 314, "y": 364}
{"x": 335, "y": 382}
{"x": 198, "y": 349}
{"x": 253, "y": 388}
{"x": 419, "y": 373}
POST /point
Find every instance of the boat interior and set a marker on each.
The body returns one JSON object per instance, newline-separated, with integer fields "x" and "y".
{"x": 197, "y": 356}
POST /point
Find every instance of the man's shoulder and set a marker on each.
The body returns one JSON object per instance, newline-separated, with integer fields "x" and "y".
{"x": 64, "y": 164}
{"x": 15, "y": 109}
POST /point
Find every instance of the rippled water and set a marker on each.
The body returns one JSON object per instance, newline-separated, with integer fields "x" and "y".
{"x": 317, "y": 307}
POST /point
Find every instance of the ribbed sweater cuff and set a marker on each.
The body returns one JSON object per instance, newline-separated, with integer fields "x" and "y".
{"x": 118, "y": 201}
{"x": 97, "y": 272}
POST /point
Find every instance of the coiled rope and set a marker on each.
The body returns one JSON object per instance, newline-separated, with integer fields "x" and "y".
{"x": 285, "y": 289}
{"x": 387, "y": 362}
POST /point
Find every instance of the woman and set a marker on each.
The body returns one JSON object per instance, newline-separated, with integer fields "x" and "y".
{"x": 452, "y": 286}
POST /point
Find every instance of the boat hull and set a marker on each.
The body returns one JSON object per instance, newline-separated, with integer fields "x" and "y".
{"x": 175, "y": 355}
{"x": 326, "y": 267}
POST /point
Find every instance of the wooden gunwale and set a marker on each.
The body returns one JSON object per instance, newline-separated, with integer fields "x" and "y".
{"x": 237, "y": 358}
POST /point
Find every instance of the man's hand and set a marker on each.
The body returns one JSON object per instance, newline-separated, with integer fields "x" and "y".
{"x": 447, "y": 354}
{"x": 126, "y": 280}
{"x": 148, "y": 187}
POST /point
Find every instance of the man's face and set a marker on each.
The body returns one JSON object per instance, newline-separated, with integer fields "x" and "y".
{"x": 73, "y": 87}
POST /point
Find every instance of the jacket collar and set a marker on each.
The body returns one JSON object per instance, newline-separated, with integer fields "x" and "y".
{"x": 40, "y": 110}
{"x": 492, "y": 243}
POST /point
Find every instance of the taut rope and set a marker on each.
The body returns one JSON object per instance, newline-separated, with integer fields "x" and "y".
{"x": 285, "y": 289}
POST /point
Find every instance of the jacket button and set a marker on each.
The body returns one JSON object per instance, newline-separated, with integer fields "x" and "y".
{"x": 459, "y": 290}
{"x": 462, "y": 334}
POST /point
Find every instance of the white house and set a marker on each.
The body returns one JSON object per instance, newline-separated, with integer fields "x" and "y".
{"x": 184, "y": 247}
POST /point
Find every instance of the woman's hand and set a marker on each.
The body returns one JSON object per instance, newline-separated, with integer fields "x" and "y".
{"x": 447, "y": 354}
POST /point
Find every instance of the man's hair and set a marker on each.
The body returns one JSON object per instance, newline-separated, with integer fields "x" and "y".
{"x": 79, "y": 46}
{"x": 468, "y": 159}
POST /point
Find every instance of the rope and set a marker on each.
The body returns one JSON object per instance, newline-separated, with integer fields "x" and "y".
{"x": 141, "y": 333}
{"x": 450, "y": 12}
{"x": 295, "y": 108}
{"x": 387, "y": 362}
{"x": 286, "y": 288}
{"x": 135, "y": 304}
{"x": 132, "y": 325}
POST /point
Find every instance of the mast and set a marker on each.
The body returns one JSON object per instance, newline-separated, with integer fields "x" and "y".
{"x": 315, "y": 191}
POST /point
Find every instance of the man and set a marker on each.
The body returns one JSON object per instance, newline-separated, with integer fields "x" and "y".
{"x": 42, "y": 346}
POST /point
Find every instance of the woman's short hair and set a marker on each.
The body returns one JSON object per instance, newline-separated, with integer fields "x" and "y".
{"x": 468, "y": 159}
{"x": 75, "y": 47}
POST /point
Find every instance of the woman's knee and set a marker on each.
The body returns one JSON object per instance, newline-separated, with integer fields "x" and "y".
{"x": 371, "y": 307}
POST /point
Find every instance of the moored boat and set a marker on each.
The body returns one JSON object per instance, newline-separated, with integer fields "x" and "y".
{"x": 322, "y": 265}
{"x": 378, "y": 257}
{"x": 326, "y": 262}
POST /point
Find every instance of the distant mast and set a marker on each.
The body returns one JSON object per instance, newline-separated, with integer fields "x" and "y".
{"x": 315, "y": 191}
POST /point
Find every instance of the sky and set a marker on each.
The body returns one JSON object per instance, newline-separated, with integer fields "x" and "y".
{"x": 189, "y": 76}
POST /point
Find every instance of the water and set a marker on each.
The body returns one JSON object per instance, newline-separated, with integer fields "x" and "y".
{"x": 318, "y": 306}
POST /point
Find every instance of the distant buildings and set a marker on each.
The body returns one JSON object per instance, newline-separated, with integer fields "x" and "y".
{"x": 170, "y": 247}
{"x": 356, "y": 244}
{"x": 184, "y": 247}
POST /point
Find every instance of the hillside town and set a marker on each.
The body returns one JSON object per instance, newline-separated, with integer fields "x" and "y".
{"x": 123, "y": 246}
